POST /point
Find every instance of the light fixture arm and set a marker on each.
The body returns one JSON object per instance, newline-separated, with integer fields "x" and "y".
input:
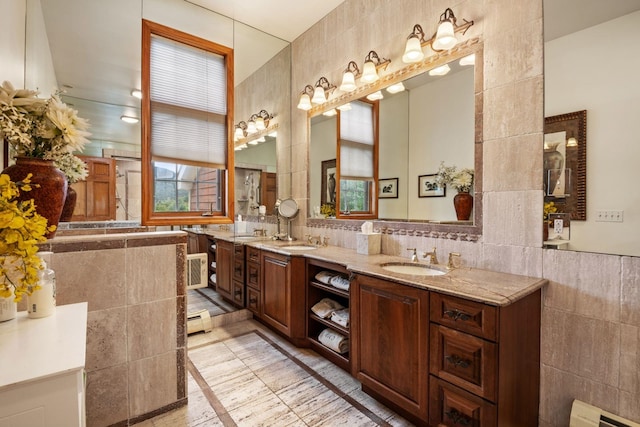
{"x": 418, "y": 33}
{"x": 324, "y": 84}
{"x": 372, "y": 56}
{"x": 308, "y": 89}
{"x": 352, "y": 67}
{"x": 449, "y": 16}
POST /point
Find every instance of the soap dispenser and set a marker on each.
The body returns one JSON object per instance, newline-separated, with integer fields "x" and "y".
{"x": 42, "y": 302}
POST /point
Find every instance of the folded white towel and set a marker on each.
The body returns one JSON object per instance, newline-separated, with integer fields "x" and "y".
{"x": 335, "y": 341}
{"x": 324, "y": 277}
{"x": 341, "y": 317}
{"x": 340, "y": 282}
{"x": 325, "y": 307}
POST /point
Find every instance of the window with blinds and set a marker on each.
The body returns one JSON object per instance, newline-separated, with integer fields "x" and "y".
{"x": 187, "y": 85}
{"x": 357, "y": 148}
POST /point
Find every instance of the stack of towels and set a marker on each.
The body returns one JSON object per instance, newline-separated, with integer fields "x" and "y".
{"x": 333, "y": 279}
{"x": 335, "y": 341}
{"x": 333, "y": 310}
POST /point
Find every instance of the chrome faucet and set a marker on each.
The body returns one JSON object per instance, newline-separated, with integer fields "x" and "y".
{"x": 433, "y": 257}
{"x": 414, "y": 256}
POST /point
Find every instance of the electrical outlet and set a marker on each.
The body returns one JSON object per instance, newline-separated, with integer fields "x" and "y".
{"x": 609, "y": 216}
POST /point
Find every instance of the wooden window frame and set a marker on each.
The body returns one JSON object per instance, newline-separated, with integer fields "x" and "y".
{"x": 149, "y": 216}
{"x": 373, "y": 194}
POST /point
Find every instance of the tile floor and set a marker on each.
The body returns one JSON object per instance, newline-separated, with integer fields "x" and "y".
{"x": 243, "y": 374}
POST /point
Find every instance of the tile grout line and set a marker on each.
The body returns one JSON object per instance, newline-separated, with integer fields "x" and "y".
{"x": 212, "y": 301}
{"x": 357, "y": 405}
{"x": 217, "y": 406}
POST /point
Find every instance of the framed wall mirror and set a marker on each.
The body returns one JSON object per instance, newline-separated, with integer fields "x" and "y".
{"x": 609, "y": 93}
{"x": 431, "y": 120}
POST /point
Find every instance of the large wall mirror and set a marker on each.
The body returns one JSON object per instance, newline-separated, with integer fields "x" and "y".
{"x": 603, "y": 82}
{"x": 95, "y": 58}
{"x": 432, "y": 120}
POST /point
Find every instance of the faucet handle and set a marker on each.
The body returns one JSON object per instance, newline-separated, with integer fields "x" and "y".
{"x": 451, "y": 263}
{"x": 325, "y": 241}
{"x": 414, "y": 251}
{"x": 414, "y": 255}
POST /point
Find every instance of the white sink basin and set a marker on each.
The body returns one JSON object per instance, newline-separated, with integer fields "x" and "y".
{"x": 411, "y": 269}
{"x": 298, "y": 248}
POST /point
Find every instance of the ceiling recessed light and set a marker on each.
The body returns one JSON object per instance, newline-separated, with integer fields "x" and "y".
{"x": 129, "y": 119}
{"x": 136, "y": 93}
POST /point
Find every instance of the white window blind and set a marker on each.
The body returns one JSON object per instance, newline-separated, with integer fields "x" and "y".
{"x": 188, "y": 104}
{"x": 356, "y": 141}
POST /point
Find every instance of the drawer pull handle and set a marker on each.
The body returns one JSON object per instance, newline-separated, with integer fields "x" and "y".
{"x": 457, "y": 314}
{"x": 238, "y": 292}
{"x": 458, "y": 418}
{"x": 253, "y": 276}
{"x": 253, "y": 300}
{"x": 457, "y": 361}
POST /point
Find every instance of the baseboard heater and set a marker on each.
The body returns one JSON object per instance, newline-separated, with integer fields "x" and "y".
{"x": 198, "y": 321}
{"x": 585, "y": 415}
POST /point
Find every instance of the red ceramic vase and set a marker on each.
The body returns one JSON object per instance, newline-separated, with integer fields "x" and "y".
{"x": 69, "y": 205}
{"x": 48, "y": 187}
{"x": 463, "y": 202}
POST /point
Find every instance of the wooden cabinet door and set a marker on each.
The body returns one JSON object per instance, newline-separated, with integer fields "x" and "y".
{"x": 276, "y": 291}
{"x": 390, "y": 331}
{"x": 283, "y": 293}
{"x": 97, "y": 194}
{"x": 224, "y": 269}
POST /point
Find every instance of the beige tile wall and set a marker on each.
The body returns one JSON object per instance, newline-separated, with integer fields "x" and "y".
{"x": 136, "y": 343}
{"x": 591, "y": 320}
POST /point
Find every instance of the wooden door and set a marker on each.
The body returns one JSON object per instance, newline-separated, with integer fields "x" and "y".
{"x": 283, "y": 295}
{"x": 269, "y": 193}
{"x": 97, "y": 194}
{"x": 224, "y": 269}
{"x": 390, "y": 324}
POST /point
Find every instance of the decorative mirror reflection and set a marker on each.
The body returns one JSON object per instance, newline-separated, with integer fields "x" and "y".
{"x": 608, "y": 91}
{"x": 423, "y": 121}
{"x": 99, "y": 70}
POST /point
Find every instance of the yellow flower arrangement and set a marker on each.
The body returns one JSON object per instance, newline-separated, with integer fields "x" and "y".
{"x": 549, "y": 208}
{"x": 21, "y": 229}
{"x": 328, "y": 210}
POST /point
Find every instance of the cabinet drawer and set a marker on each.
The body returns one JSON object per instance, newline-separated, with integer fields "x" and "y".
{"x": 253, "y": 254}
{"x": 451, "y": 406}
{"x": 464, "y": 360}
{"x": 464, "y": 315}
{"x": 253, "y": 301}
{"x": 238, "y": 251}
{"x": 253, "y": 275}
{"x": 238, "y": 270}
{"x": 238, "y": 293}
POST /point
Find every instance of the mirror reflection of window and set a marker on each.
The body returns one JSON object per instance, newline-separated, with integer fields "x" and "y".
{"x": 357, "y": 149}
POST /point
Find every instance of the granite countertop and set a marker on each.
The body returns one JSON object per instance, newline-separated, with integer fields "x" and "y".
{"x": 476, "y": 284}
{"x": 489, "y": 287}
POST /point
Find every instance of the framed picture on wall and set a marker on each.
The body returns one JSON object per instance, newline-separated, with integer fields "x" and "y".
{"x": 328, "y": 190}
{"x": 427, "y": 186}
{"x": 388, "y": 188}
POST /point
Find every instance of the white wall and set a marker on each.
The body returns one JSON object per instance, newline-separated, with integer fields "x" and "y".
{"x": 324, "y": 133}
{"x": 443, "y": 115}
{"x": 13, "y": 21}
{"x": 39, "y": 72}
{"x": 597, "y": 70}
{"x": 393, "y": 153}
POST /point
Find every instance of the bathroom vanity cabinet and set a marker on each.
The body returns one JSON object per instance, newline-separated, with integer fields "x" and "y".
{"x": 283, "y": 295}
{"x": 316, "y": 291}
{"x": 390, "y": 343}
{"x": 212, "y": 249}
{"x": 445, "y": 359}
{"x": 230, "y": 272}
{"x": 253, "y": 280}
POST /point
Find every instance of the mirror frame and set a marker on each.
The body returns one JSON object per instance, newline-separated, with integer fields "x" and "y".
{"x": 437, "y": 229}
{"x": 574, "y": 124}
